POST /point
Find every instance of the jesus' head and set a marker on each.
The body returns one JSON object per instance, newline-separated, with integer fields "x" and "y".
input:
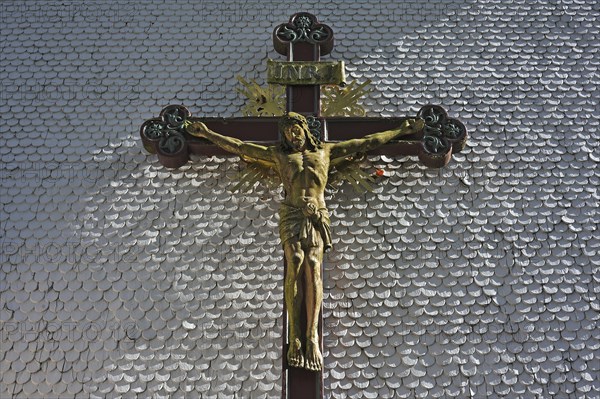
{"x": 295, "y": 134}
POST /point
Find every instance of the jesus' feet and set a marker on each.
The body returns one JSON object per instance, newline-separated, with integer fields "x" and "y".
{"x": 294, "y": 355}
{"x": 314, "y": 359}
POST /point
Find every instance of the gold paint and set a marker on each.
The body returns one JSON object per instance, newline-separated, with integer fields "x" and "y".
{"x": 303, "y": 164}
{"x": 335, "y": 101}
{"x": 352, "y": 170}
{"x": 343, "y": 101}
{"x": 262, "y": 101}
{"x": 306, "y": 72}
{"x": 256, "y": 171}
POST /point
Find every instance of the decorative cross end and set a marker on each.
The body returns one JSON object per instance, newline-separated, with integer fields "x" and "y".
{"x": 166, "y": 136}
{"x": 303, "y": 28}
{"x": 441, "y": 137}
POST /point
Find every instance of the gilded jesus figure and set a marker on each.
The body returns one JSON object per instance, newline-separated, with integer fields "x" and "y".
{"x": 303, "y": 163}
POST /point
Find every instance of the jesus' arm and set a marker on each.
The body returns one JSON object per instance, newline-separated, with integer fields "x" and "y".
{"x": 230, "y": 144}
{"x": 372, "y": 141}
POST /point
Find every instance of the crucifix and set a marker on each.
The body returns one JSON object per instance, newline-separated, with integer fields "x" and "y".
{"x": 302, "y": 147}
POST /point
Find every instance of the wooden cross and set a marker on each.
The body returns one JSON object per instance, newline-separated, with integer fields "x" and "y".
{"x": 303, "y": 40}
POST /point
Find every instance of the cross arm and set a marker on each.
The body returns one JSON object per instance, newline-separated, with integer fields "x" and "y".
{"x": 375, "y": 140}
{"x": 440, "y": 137}
{"x": 167, "y": 137}
{"x": 229, "y": 144}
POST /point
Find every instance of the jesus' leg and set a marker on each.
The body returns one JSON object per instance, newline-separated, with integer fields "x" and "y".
{"x": 314, "y": 297}
{"x": 293, "y": 291}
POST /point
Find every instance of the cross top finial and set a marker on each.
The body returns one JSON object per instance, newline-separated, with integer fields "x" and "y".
{"x": 303, "y": 27}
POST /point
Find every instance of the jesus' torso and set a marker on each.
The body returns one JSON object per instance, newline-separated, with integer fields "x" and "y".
{"x": 304, "y": 174}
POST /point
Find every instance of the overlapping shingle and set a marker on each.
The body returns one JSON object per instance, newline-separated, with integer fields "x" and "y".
{"x": 122, "y": 278}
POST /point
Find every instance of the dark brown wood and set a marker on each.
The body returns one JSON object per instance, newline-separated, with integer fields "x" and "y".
{"x": 304, "y": 99}
{"x": 282, "y": 43}
{"x": 166, "y": 137}
{"x": 264, "y": 130}
{"x": 245, "y": 128}
{"x": 345, "y": 128}
{"x": 302, "y": 383}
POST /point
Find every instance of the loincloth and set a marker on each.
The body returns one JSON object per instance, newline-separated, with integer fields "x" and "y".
{"x": 310, "y": 227}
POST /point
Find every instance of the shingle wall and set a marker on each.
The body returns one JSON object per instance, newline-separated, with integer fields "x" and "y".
{"x": 120, "y": 278}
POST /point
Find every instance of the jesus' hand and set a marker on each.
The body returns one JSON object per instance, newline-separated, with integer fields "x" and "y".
{"x": 411, "y": 126}
{"x": 197, "y": 129}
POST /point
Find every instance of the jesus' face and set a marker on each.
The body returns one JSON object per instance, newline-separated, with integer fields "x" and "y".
{"x": 295, "y": 135}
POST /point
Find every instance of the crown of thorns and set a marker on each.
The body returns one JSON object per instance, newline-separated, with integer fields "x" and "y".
{"x": 293, "y": 118}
